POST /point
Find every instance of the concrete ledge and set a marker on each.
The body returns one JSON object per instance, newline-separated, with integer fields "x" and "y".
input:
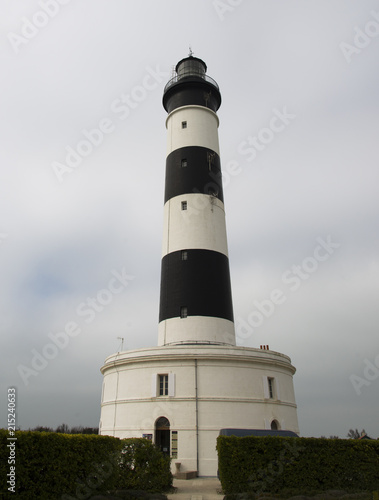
{"x": 189, "y": 474}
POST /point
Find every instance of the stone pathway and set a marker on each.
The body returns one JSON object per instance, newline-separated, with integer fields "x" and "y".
{"x": 197, "y": 489}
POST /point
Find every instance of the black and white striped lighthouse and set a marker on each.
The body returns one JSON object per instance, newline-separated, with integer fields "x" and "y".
{"x": 197, "y": 380}
{"x": 195, "y": 297}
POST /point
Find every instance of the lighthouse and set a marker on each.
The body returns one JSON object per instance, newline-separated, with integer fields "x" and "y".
{"x": 196, "y": 382}
{"x": 195, "y": 299}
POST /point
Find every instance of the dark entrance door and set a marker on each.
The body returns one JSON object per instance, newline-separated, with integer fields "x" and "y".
{"x": 162, "y": 434}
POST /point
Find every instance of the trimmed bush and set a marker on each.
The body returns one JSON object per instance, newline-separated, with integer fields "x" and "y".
{"x": 50, "y": 465}
{"x": 297, "y": 466}
{"x": 144, "y": 467}
{"x": 53, "y": 466}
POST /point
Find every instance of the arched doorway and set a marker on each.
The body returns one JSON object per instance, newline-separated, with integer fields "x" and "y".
{"x": 274, "y": 425}
{"x": 162, "y": 434}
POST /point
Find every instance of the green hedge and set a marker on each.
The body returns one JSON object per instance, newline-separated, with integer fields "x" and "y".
{"x": 49, "y": 465}
{"x": 297, "y": 465}
{"x": 66, "y": 466}
{"x": 144, "y": 467}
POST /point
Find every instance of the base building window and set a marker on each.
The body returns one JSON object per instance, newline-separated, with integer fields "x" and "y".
{"x": 174, "y": 444}
{"x": 163, "y": 385}
{"x": 271, "y": 387}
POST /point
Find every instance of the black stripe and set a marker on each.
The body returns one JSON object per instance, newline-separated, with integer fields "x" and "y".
{"x": 202, "y": 173}
{"x": 201, "y": 283}
{"x": 192, "y": 90}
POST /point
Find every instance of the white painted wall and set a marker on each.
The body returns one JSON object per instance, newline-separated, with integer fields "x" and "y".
{"x": 201, "y": 130}
{"x": 230, "y": 394}
{"x": 202, "y": 225}
{"x": 196, "y": 329}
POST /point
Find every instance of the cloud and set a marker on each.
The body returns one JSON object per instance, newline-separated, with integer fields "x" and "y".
{"x": 316, "y": 178}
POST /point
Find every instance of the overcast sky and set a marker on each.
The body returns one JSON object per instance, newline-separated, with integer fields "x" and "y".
{"x": 300, "y": 190}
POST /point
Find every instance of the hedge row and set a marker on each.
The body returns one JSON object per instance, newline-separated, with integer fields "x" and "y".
{"x": 144, "y": 467}
{"x": 297, "y": 465}
{"x": 52, "y": 466}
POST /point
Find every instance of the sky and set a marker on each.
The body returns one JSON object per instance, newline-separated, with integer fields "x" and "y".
{"x": 82, "y": 166}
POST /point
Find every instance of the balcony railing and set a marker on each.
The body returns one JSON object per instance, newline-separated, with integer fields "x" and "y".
{"x": 178, "y": 78}
{"x": 198, "y": 342}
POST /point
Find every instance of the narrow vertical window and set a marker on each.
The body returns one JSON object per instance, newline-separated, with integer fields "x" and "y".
{"x": 184, "y": 162}
{"x": 184, "y": 205}
{"x": 184, "y": 255}
{"x": 163, "y": 385}
{"x": 174, "y": 444}
{"x": 271, "y": 388}
{"x": 183, "y": 312}
{"x": 184, "y": 124}
{"x": 211, "y": 157}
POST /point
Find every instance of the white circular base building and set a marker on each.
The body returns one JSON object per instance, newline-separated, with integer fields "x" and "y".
{"x": 182, "y": 396}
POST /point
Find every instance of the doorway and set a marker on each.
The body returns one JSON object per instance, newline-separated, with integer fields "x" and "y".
{"x": 162, "y": 435}
{"x": 274, "y": 425}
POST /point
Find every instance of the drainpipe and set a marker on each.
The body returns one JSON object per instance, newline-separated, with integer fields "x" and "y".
{"x": 116, "y": 399}
{"x": 197, "y": 420}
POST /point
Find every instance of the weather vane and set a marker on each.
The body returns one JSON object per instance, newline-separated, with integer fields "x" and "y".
{"x": 190, "y": 51}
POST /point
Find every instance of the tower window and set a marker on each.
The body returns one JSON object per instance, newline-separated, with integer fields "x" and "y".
{"x": 184, "y": 205}
{"x": 184, "y": 124}
{"x": 163, "y": 385}
{"x": 211, "y": 157}
{"x": 183, "y": 312}
{"x": 184, "y": 162}
{"x": 271, "y": 387}
{"x": 184, "y": 255}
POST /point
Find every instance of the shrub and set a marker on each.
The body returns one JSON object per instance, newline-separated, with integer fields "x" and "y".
{"x": 144, "y": 467}
{"x": 297, "y": 465}
{"x": 49, "y": 465}
{"x": 53, "y": 466}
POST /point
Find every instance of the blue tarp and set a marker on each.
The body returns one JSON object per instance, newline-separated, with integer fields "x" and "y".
{"x": 256, "y": 432}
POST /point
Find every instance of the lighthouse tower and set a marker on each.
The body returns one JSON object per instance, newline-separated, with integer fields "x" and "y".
{"x": 196, "y": 381}
{"x": 196, "y": 299}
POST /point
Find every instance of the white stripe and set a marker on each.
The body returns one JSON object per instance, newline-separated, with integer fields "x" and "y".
{"x": 196, "y": 329}
{"x": 201, "y": 226}
{"x": 201, "y": 129}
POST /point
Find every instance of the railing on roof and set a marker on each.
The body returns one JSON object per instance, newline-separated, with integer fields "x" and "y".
{"x": 198, "y": 342}
{"x": 199, "y": 76}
